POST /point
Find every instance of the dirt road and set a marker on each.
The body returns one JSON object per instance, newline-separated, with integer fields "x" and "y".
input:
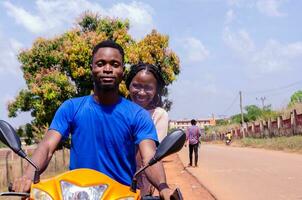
{"x": 232, "y": 173}
{"x": 177, "y": 176}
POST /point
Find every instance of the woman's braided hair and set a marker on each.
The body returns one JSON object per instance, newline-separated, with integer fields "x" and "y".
{"x": 134, "y": 69}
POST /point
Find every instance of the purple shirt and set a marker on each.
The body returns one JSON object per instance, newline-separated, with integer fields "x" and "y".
{"x": 193, "y": 134}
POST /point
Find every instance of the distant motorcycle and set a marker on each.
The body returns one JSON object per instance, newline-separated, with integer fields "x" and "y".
{"x": 228, "y": 138}
{"x": 228, "y": 141}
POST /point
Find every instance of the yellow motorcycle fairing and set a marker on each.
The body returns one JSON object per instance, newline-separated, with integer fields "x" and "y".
{"x": 84, "y": 178}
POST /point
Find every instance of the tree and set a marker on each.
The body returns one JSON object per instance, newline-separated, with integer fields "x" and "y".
{"x": 253, "y": 112}
{"x": 237, "y": 118}
{"x": 296, "y": 98}
{"x": 57, "y": 69}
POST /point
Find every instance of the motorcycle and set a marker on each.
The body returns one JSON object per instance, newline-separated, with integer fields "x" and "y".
{"x": 228, "y": 141}
{"x": 87, "y": 184}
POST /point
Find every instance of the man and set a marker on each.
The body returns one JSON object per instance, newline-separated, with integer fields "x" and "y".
{"x": 193, "y": 134}
{"x": 105, "y": 128}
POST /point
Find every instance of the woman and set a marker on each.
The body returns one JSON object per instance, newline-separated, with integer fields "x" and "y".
{"x": 146, "y": 84}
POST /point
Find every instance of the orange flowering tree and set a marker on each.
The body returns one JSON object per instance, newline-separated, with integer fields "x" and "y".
{"x": 59, "y": 68}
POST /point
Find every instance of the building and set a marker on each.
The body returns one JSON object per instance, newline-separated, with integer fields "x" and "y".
{"x": 183, "y": 124}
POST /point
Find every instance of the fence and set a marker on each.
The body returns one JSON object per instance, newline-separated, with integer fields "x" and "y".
{"x": 12, "y": 166}
{"x": 281, "y": 126}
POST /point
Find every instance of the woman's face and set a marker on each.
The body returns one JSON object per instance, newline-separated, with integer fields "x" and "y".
{"x": 143, "y": 88}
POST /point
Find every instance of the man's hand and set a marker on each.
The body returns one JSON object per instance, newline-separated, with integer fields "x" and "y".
{"x": 22, "y": 184}
{"x": 41, "y": 158}
{"x": 166, "y": 193}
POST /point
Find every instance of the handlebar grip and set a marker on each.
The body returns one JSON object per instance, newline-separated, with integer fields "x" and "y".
{"x": 10, "y": 187}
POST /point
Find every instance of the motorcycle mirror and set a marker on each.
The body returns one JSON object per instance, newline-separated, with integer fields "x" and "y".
{"x": 10, "y": 138}
{"x": 170, "y": 144}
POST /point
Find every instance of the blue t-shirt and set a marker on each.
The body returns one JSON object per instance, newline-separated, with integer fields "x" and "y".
{"x": 103, "y": 137}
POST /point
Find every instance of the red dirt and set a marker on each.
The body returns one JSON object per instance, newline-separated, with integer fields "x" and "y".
{"x": 178, "y": 176}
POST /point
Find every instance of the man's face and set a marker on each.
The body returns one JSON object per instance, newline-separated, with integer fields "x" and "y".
{"x": 107, "y": 69}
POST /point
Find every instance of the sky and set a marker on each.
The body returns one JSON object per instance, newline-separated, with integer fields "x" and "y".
{"x": 224, "y": 46}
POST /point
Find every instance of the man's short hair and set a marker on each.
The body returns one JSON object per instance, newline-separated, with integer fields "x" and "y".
{"x": 193, "y": 122}
{"x": 111, "y": 44}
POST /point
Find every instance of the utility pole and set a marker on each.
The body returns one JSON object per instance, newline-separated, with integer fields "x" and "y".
{"x": 262, "y": 100}
{"x": 242, "y": 119}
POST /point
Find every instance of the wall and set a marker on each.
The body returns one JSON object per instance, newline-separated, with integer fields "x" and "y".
{"x": 12, "y": 166}
{"x": 262, "y": 129}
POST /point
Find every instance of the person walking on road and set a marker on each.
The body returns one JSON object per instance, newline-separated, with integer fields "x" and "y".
{"x": 193, "y": 134}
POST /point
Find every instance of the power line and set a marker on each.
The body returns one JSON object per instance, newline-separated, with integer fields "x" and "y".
{"x": 273, "y": 91}
{"x": 276, "y": 89}
{"x": 231, "y": 105}
{"x": 275, "y": 94}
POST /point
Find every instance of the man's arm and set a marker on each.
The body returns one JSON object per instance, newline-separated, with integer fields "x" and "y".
{"x": 41, "y": 157}
{"x": 156, "y": 173}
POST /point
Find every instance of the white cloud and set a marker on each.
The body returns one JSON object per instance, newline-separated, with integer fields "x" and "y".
{"x": 272, "y": 57}
{"x": 276, "y": 57}
{"x": 53, "y": 17}
{"x": 11, "y": 78}
{"x": 195, "y": 51}
{"x": 15, "y": 45}
{"x": 9, "y": 49}
{"x": 139, "y": 14}
{"x": 230, "y": 16}
{"x": 32, "y": 23}
{"x": 239, "y": 41}
{"x": 270, "y": 7}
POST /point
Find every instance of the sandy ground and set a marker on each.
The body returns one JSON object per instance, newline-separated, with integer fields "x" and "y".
{"x": 178, "y": 176}
{"x": 233, "y": 173}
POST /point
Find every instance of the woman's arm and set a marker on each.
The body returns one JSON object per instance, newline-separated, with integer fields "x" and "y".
{"x": 161, "y": 121}
{"x": 155, "y": 173}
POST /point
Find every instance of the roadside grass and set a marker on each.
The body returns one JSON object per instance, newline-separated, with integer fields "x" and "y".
{"x": 288, "y": 144}
{"x": 2, "y": 145}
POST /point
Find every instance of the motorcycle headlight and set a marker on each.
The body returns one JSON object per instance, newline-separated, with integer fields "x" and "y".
{"x": 39, "y": 194}
{"x": 74, "y": 192}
